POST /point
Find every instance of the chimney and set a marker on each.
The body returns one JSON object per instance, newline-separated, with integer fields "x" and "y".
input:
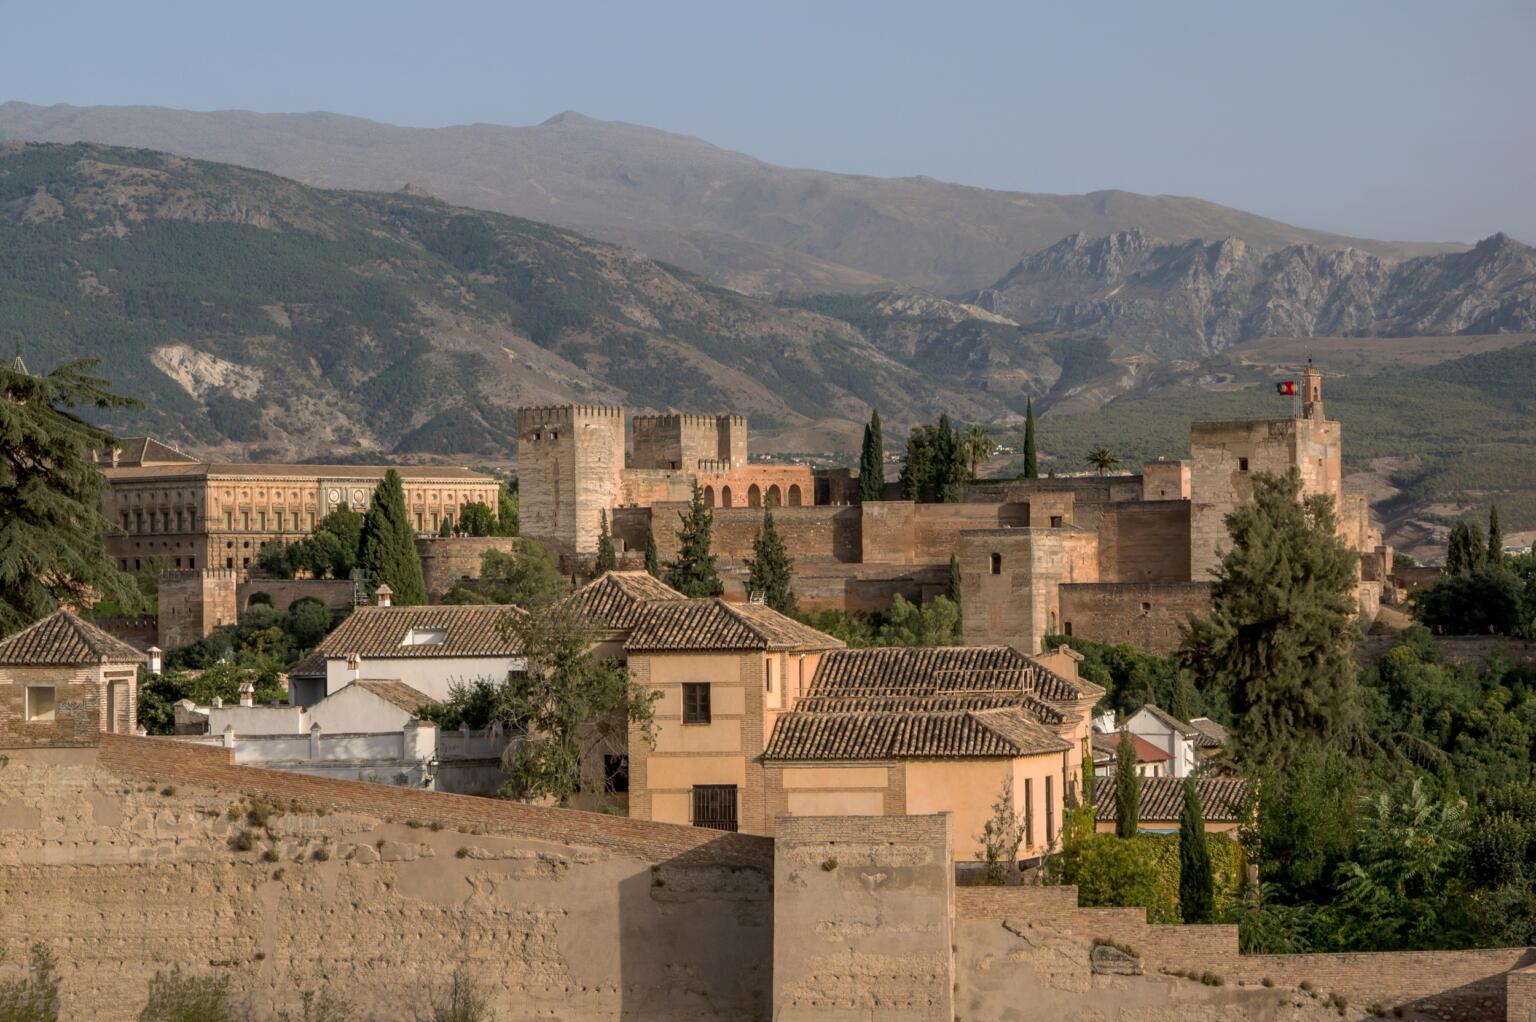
{"x": 117, "y": 453}
{"x": 247, "y": 693}
{"x": 384, "y": 594}
{"x": 154, "y": 660}
{"x": 354, "y": 666}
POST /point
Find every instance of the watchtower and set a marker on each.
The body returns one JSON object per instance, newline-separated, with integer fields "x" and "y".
{"x": 570, "y": 469}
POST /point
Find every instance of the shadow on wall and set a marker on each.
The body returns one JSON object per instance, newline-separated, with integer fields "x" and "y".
{"x": 696, "y": 938}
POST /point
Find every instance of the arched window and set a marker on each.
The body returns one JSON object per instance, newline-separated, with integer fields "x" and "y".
{"x": 725, "y": 496}
{"x": 775, "y": 498}
{"x": 794, "y": 494}
{"x": 754, "y": 496}
{"x": 709, "y": 496}
{"x": 997, "y": 564}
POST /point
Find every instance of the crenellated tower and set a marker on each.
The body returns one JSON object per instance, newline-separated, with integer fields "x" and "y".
{"x": 570, "y": 468}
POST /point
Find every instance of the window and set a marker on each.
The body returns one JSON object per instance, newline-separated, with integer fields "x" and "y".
{"x": 229, "y": 519}
{"x": 616, "y": 774}
{"x": 1050, "y": 812}
{"x": 1056, "y": 521}
{"x": 311, "y": 521}
{"x": 1029, "y": 812}
{"x": 1242, "y": 464}
{"x": 425, "y": 637}
{"x": 192, "y": 563}
{"x": 997, "y": 564}
{"x": 125, "y": 521}
{"x": 1146, "y": 608}
{"x": 245, "y": 520}
{"x": 295, "y": 521}
{"x": 1066, "y": 628}
{"x": 714, "y": 806}
{"x": 696, "y": 704}
{"x": 180, "y": 521}
{"x": 419, "y": 521}
{"x": 41, "y": 700}
{"x": 261, "y": 520}
{"x": 229, "y": 562}
{"x": 191, "y": 519}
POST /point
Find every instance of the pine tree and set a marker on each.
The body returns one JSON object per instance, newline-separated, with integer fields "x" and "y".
{"x": 607, "y": 560}
{"x": 1495, "y": 538}
{"x": 693, "y": 573}
{"x": 1282, "y": 624}
{"x": 769, "y": 569}
{"x": 1031, "y": 458}
{"x": 1127, "y": 787}
{"x": 389, "y": 544}
{"x": 1197, "y": 896}
{"x": 872, "y": 460}
{"x": 51, "y": 527}
{"x": 652, "y": 561}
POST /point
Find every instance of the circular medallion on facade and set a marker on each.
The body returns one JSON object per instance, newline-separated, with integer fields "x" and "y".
{"x": 357, "y": 495}
{"x": 333, "y": 495}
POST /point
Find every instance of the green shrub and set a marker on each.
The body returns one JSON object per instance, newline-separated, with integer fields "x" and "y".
{"x": 174, "y": 997}
{"x": 34, "y": 997}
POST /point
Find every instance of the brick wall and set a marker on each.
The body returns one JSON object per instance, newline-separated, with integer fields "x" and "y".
{"x": 1148, "y": 615}
{"x": 1143, "y": 542}
{"x": 446, "y": 562}
{"x": 82, "y": 707}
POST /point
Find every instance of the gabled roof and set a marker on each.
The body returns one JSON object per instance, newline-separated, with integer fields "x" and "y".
{"x": 468, "y": 630}
{"x": 146, "y": 450}
{"x": 396, "y": 693}
{"x": 701, "y": 625}
{"x": 950, "y": 670}
{"x": 909, "y": 734}
{"x": 1211, "y": 734}
{"x": 1146, "y": 752}
{"x": 1168, "y": 720}
{"x": 63, "y": 640}
{"x": 614, "y": 598}
{"x": 1162, "y": 798}
{"x": 312, "y": 666}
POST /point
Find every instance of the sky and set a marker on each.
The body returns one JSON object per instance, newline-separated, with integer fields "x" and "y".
{"x": 1403, "y": 120}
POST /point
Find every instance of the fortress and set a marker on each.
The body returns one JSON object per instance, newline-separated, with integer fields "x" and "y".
{"x": 1119, "y": 558}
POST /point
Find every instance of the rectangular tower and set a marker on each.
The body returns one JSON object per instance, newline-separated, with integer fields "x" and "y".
{"x": 570, "y": 471}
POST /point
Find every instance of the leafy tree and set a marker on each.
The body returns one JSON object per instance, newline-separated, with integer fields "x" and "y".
{"x": 935, "y": 623}
{"x": 177, "y": 997}
{"x": 569, "y": 702}
{"x": 872, "y": 460}
{"x": 977, "y": 445}
{"x": 1127, "y": 787}
{"x": 506, "y": 512}
{"x": 1103, "y": 460}
{"x": 1001, "y": 835}
{"x": 1107, "y": 870}
{"x": 1197, "y": 895}
{"x": 35, "y": 996}
{"x": 307, "y": 621}
{"x": 389, "y": 544}
{"x": 276, "y": 558}
{"x": 336, "y": 543}
{"x": 1031, "y": 457}
{"x": 652, "y": 561}
{"x": 1301, "y": 822}
{"x": 1282, "y": 623}
{"x": 933, "y": 470}
{"x": 607, "y": 559}
{"x": 51, "y": 527}
{"x": 528, "y": 576}
{"x": 474, "y": 704}
{"x": 445, "y": 530}
{"x": 1495, "y": 538}
{"x": 1482, "y": 601}
{"x": 770, "y": 570}
{"x": 477, "y": 519}
{"x": 693, "y": 573}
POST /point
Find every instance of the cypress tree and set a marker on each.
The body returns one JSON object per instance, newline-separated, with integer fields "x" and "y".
{"x": 949, "y": 463}
{"x": 1197, "y": 897}
{"x": 652, "y": 562}
{"x": 917, "y": 465}
{"x": 693, "y": 573}
{"x": 953, "y": 589}
{"x": 1127, "y": 787}
{"x": 872, "y": 460}
{"x": 1088, "y": 770}
{"x": 769, "y": 569}
{"x": 1031, "y": 459}
{"x": 389, "y": 543}
{"x": 1457, "y": 561}
{"x": 1282, "y": 624}
{"x": 607, "y": 560}
{"x": 1495, "y": 538}
{"x": 1477, "y": 548}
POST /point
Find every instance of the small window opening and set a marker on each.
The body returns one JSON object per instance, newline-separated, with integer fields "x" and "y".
{"x": 1056, "y": 521}
{"x": 425, "y": 637}
{"x": 997, "y": 564}
{"x": 1242, "y": 464}
{"x": 41, "y": 701}
{"x": 696, "y": 702}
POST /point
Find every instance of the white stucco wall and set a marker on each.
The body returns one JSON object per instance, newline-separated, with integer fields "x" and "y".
{"x": 354, "y": 710}
{"x": 432, "y": 675}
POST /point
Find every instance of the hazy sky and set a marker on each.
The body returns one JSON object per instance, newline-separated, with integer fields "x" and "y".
{"x": 1392, "y": 119}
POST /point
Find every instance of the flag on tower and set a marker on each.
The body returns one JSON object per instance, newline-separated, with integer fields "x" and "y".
{"x": 1286, "y": 387}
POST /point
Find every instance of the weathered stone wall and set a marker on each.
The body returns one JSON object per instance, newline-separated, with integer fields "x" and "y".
{"x": 87, "y": 701}
{"x": 448, "y": 561}
{"x": 194, "y": 603}
{"x": 813, "y": 535}
{"x": 1141, "y": 542}
{"x": 902, "y": 532}
{"x": 1017, "y": 605}
{"x": 1147, "y": 615}
{"x": 862, "y": 917}
{"x": 129, "y": 860}
{"x": 335, "y": 593}
{"x": 570, "y": 465}
{"x": 1165, "y": 480}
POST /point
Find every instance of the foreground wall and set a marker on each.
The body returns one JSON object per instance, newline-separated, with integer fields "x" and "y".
{"x": 129, "y": 858}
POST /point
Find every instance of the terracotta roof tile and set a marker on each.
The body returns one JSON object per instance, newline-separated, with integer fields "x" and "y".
{"x": 907, "y": 734}
{"x": 713, "y": 624}
{"x": 615, "y": 597}
{"x": 1211, "y": 734}
{"x": 1146, "y": 752}
{"x": 468, "y": 630}
{"x": 63, "y": 639}
{"x": 397, "y": 693}
{"x": 1162, "y": 798}
{"x": 312, "y": 666}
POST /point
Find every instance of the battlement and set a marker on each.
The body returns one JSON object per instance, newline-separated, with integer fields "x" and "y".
{"x": 713, "y": 466}
{"x": 188, "y": 574}
{"x": 685, "y": 419}
{"x": 538, "y": 415}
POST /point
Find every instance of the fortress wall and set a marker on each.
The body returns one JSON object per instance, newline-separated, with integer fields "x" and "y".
{"x": 122, "y": 860}
{"x": 1148, "y": 615}
{"x": 447, "y": 561}
{"x": 812, "y": 535}
{"x": 193, "y": 603}
{"x": 285, "y": 592}
{"x": 1143, "y": 541}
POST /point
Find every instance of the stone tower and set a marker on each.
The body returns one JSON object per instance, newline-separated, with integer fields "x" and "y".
{"x": 684, "y": 442}
{"x": 570, "y": 469}
{"x": 194, "y": 603}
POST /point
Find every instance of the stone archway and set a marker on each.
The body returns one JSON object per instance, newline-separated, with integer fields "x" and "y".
{"x": 725, "y": 496}
{"x": 775, "y": 497}
{"x": 754, "y": 496}
{"x": 794, "y": 494}
{"x": 709, "y": 496}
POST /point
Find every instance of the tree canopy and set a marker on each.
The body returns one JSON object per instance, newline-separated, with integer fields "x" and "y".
{"x": 872, "y": 460}
{"x": 389, "y": 544}
{"x": 693, "y": 573}
{"x": 770, "y": 571}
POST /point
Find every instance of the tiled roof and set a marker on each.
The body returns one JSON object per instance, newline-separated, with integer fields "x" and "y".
{"x": 469, "y": 630}
{"x": 1146, "y": 752}
{"x": 136, "y": 450}
{"x": 397, "y": 693}
{"x": 615, "y": 597}
{"x": 1168, "y": 720}
{"x": 61, "y": 639}
{"x": 1211, "y": 734}
{"x": 312, "y": 666}
{"x": 929, "y": 670}
{"x": 1162, "y": 798}
{"x": 712, "y": 624}
{"x": 908, "y": 734}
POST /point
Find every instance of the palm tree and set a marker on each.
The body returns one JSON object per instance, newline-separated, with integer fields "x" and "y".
{"x": 978, "y": 445}
{"x": 1103, "y": 459}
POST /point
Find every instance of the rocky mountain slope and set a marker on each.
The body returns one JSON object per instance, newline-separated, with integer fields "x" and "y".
{"x": 1185, "y": 299}
{"x": 738, "y": 221}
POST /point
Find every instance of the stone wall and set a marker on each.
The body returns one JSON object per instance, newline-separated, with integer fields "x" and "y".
{"x": 570, "y": 465}
{"x": 335, "y": 593}
{"x": 445, "y": 562}
{"x": 862, "y": 917}
{"x": 903, "y": 532}
{"x": 814, "y": 535}
{"x": 1010, "y": 581}
{"x": 194, "y": 603}
{"x": 1148, "y": 615}
{"x": 1141, "y": 542}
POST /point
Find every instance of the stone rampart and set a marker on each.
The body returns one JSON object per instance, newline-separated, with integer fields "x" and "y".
{"x": 1148, "y": 615}
{"x": 447, "y": 561}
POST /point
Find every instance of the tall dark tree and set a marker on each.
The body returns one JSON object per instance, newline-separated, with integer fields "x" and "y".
{"x": 1282, "y": 623}
{"x": 917, "y": 465}
{"x": 872, "y": 460}
{"x": 1031, "y": 457}
{"x": 949, "y": 466}
{"x": 770, "y": 569}
{"x": 389, "y": 543}
{"x": 1458, "y": 558}
{"x": 1197, "y": 895}
{"x": 1477, "y": 547}
{"x": 607, "y": 559}
{"x": 652, "y": 561}
{"x": 693, "y": 573}
{"x": 1127, "y": 787}
{"x": 952, "y": 587}
{"x": 1495, "y": 538}
{"x": 51, "y": 527}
